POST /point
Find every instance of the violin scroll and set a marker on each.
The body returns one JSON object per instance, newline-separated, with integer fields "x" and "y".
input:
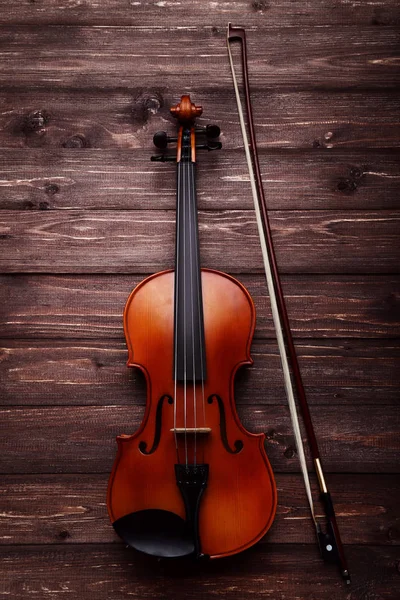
{"x": 186, "y": 111}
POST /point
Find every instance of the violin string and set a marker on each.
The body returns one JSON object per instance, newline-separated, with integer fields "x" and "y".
{"x": 199, "y": 302}
{"x": 176, "y": 310}
{"x": 184, "y": 314}
{"x": 190, "y": 201}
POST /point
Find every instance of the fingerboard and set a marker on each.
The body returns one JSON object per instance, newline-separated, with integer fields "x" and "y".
{"x": 189, "y": 341}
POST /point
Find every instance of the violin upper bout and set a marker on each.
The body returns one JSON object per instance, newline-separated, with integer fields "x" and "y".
{"x": 229, "y": 322}
{"x": 148, "y": 321}
{"x": 229, "y": 318}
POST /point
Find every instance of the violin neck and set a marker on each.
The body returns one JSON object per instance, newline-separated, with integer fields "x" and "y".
{"x": 189, "y": 343}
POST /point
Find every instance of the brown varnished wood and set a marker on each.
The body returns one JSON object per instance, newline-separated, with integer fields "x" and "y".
{"x": 193, "y": 145}
{"x": 345, "y": 309}
{"x": 323, "y": 73}
{"x": 41, "y": 371}
{"x": 310, "y": 58}
{"x": 186, "y": 111}
{"x": 365, "y": 440}
{"x": 28, "y": 500}
{"x": 107, "y": 571}
{"x": 179, "y": 145}
{"x": 258, "y": 14}
{"x": 239, "y": 503}
{"x": 141, "y": 242}
{"x": 90, "y": 118}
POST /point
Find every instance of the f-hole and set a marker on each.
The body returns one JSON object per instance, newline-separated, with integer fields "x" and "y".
{"x": 157, "y": 431}
{"x": 238, "y": 444}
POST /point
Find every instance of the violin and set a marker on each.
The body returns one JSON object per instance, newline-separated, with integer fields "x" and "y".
{"x": 192, "y": 481}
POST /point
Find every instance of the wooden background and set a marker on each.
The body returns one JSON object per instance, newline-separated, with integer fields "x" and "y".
{"x": 84, "y": 216}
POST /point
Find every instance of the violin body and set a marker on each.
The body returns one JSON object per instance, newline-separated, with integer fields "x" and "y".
{"x": 191, "y": 481}
{"x": 239, "y": 503}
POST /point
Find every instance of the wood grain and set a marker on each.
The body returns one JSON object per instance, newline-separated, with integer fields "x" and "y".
{"x": 127, "y": 116}
{"x": 51, "y": 509}
{"x": 84, "y": 217}
{"x": 67, "y": 179}
{"x": 287, "y": 13}
{"x": 141, "y": 242}
{"x": 301, "y": 57}
{"x": 339, "y": 372}
{"x": 81, "y": 439}
{"x": 81, "y": 307}
{"x": 98, "y": 572}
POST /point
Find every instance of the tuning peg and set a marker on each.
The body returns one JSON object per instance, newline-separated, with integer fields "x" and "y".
{"x": 211, "y": 131}
{"x": 161, "y": 139}
{"x": 163, "y": 158}
{"x": 210, "y": 146}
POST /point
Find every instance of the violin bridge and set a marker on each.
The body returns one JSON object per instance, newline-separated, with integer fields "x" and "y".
{"x": 191, "y": 430}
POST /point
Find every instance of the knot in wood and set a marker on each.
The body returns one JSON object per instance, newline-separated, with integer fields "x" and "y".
{"x": 64, "y": 534}
{"x": 347, "y": 186}
{"x": 51, "y": 189}
{"x": 392, "y": 307}
{"x": 289, "y": 452}
{"x": 35, "y": 121}
{"x": 147, "y": 104}
{"x": 152, "y": 105}
{"x": 356, "y": 173}
{"x": 393, "y": 534}
{"x": 76, "y": 141}
{"x": 259, "y": 5}
{"x": 379, "y": 17}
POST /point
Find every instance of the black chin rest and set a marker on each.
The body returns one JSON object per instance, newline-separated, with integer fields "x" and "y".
{"x": 156, "y": 532}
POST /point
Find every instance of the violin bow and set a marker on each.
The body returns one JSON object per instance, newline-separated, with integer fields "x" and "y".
{"x": 329, "y": 542}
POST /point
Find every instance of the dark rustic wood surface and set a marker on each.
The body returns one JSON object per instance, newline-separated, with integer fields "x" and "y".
{"x": 84, "y": 216}
{"x": 158, "y": 14}
{"x": 81, "y": 118}
{"x": 42, "y": 179}
{"x": 373, "y": 520}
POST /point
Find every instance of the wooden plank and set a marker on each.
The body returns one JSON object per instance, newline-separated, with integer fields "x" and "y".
{"x": 81, "y": 373}
{"x": 53, "y": 508}
{"x": 143, "y": 241}
{"x": 79, "y": 307}
{"x": 98, "y": 572}
{"x": 80, "y": 439}
{"x": 126, "y": 116}
{"x": 261, "y": 13}
{"x": 123, "y": 180}
{"x": 342, "y": 57}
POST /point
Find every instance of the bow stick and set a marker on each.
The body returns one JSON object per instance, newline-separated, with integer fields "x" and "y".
{"x": 330, "y": 543}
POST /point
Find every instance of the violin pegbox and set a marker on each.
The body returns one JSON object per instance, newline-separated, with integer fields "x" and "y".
{"x": 186, "y": 112}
